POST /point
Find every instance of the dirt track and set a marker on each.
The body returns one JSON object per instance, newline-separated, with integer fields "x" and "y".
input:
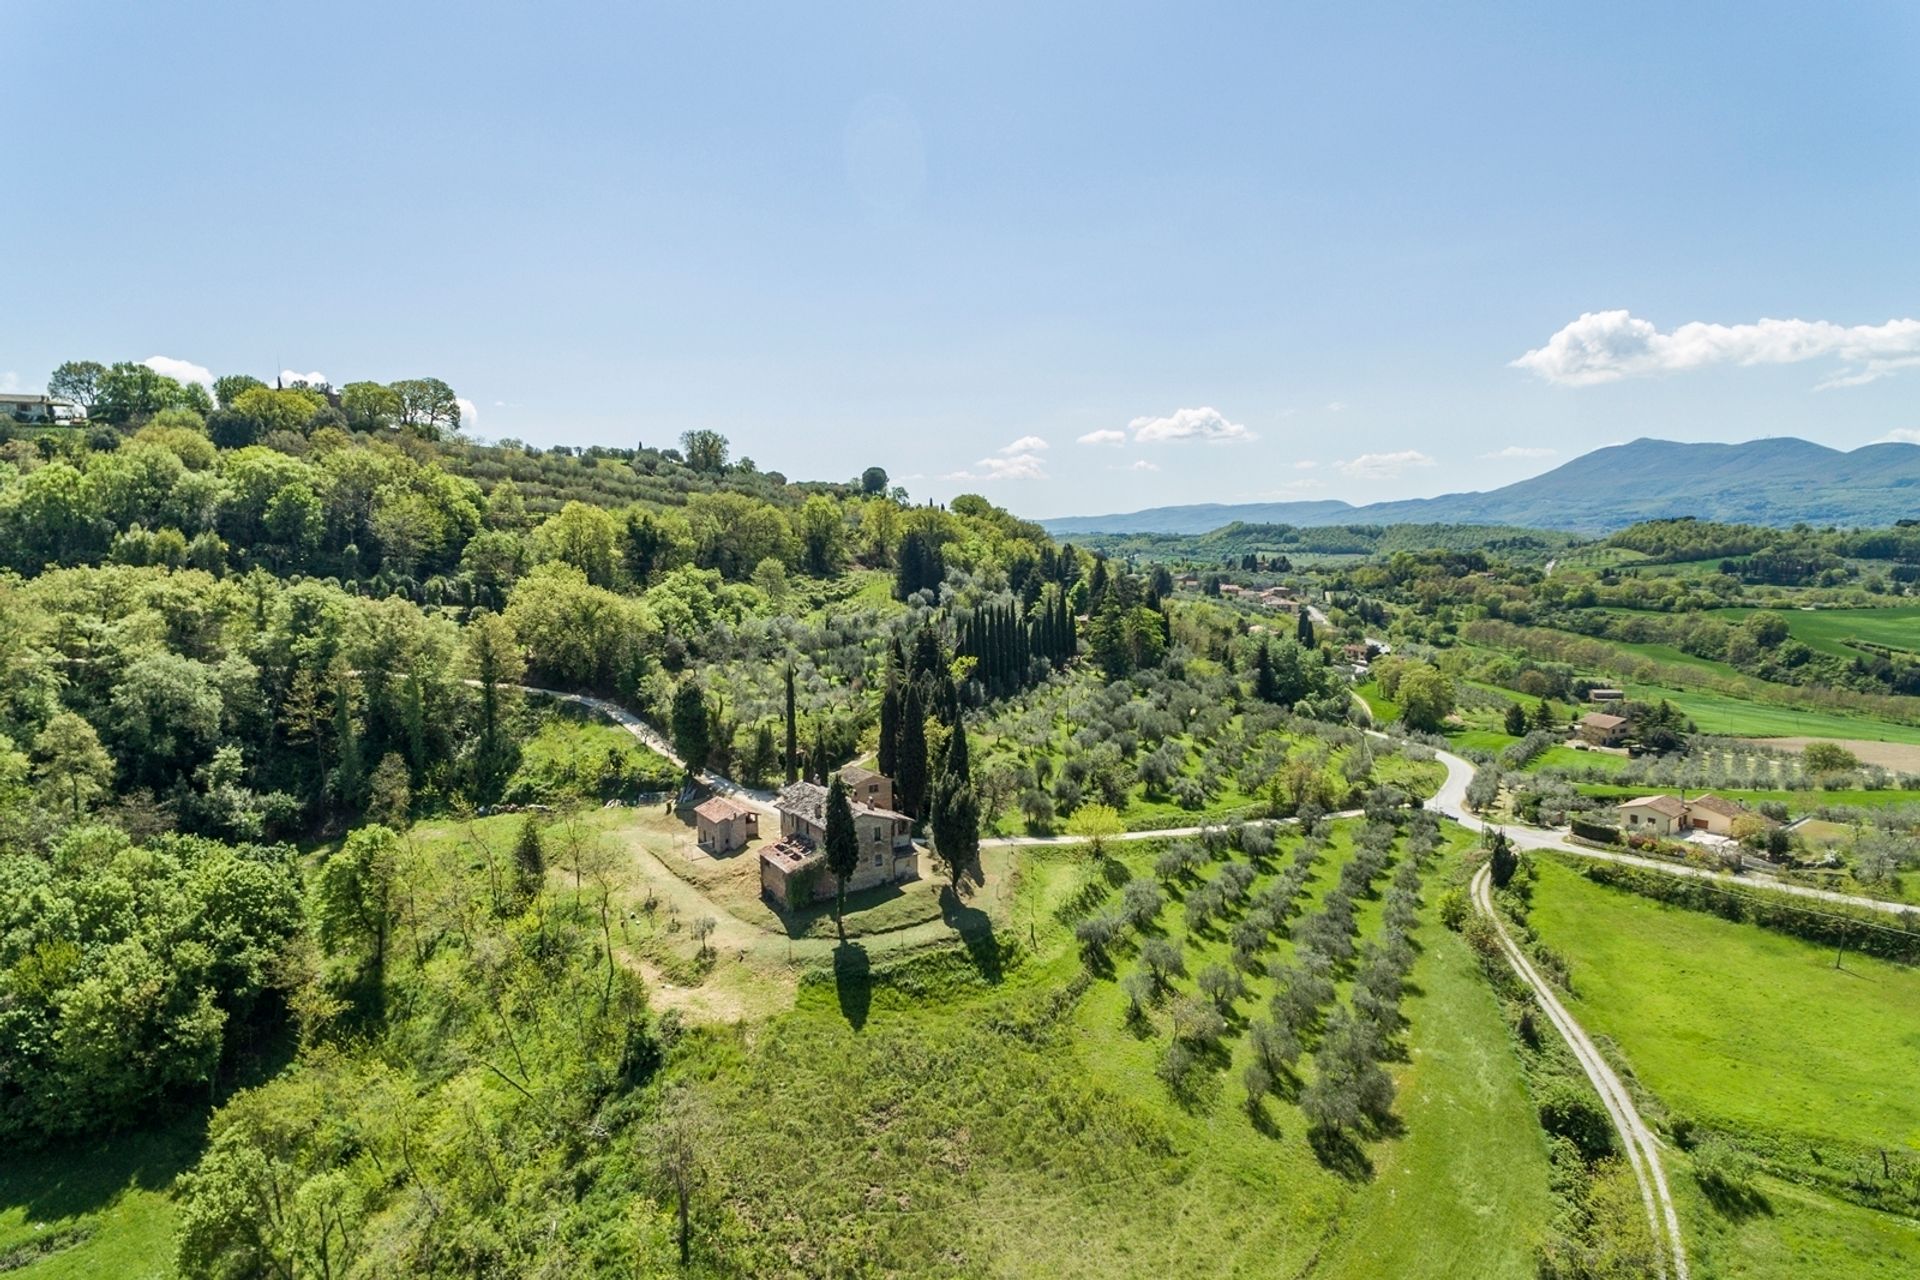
{"x": 1636, "y": 1139}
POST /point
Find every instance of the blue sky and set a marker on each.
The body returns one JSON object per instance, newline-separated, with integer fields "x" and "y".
{"x": 1278, "y": 251}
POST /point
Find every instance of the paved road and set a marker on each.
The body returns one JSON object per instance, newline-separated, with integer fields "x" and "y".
{"x": 1451, "y": 800}
{"x": 1636, "y": 1139}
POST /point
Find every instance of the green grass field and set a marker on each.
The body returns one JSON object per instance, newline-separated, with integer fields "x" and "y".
{"x": 1834, "y": 630}
{"x": 962, "y": 1113}
{"x": 1385, "y": 710}
{"x": 1755, "y": 1035}
{"x": 105, "y": 1200}
{"x": 1704, "y": 1008}
{"x": 1717, "y": 713}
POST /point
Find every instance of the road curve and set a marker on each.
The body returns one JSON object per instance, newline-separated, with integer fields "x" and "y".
{"x": 1451, "y": 800}
{"x": 1636, "y": 1139}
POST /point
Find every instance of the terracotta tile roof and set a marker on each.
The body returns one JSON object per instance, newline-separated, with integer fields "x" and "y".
{"x": 722, "y": 809}
{"x": 1714, "y": 804}
{"x": 1668, "y": 806}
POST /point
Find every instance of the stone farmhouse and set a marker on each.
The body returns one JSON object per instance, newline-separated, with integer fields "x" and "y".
{"x": 793, "y": 870}
{"x": 1603, "y": 730}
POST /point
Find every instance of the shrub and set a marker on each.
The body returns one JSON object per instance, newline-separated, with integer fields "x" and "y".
{"x": 1570, "y": 1109}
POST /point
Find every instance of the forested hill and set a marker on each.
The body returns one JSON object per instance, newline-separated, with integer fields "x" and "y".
{"x": 371, "y": 485}
{"x": 1779, "y": 482}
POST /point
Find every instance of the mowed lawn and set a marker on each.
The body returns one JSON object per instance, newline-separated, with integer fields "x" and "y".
{"x": 1737, "y": 1026}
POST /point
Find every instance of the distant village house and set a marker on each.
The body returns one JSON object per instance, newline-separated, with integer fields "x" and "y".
{"x": 40, "y": 410}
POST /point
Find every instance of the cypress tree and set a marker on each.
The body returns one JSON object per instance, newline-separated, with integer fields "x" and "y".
{"x": 890, "y": 722}
{"x": 842, "y": 846}
{"x": 1304, "y": 632}
{"x": 793, "y": 733}
{"x": 529, "y": 858}
{"x": 346, "y": 746}
{"x": 910, "y": 762}
{"x": 1266, "y": 686}
{"x": 956, "y": 809}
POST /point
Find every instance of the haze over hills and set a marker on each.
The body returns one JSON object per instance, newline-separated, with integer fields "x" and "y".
{"x": 1776, "y": 481}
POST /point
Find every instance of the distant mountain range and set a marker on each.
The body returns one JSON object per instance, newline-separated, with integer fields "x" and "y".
{"x": 1779, "y": 481}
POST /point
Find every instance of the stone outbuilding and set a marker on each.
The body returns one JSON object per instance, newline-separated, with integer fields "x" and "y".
{"x": 722, "y": 824}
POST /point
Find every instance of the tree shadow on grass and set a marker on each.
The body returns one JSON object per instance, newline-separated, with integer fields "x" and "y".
{"x": 72, "y": 1179}
{"x": 853, "y": 982}
{"x": 1339, "y": 1153}
{"x": 1733, "y": 1200}
{"x": 975, "y": 928}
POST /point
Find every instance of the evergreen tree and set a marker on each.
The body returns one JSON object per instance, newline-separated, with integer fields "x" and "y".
{"x": 1266, "y": 686}
{"x": 890, "y": 722}
{"x": 956, "y": 809}
{"x": 842, "y": 846}
{"x": 529, "y": 858}
{"x": 1516, "y": 720}
{"x": 346, "y": 745}
{"x": 692, "y": 727}
{"x": 1304, "y": 632}
{"x": 793, "y": 733}
{"x": 1542, "y": 715}
{"x": 1503, "y": 861}
{"x": 910, "y": 755}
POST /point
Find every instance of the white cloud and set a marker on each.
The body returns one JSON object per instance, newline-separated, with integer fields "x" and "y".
{"x": 1205, "y": 424}
{"x": 180, "y": 370}
{"x": 469, "y": 413}
{"x": 1104, "y": 436}
{"x": 1026, "y": 444}
{"x": 1521, "y": 451}
{"x": 1606, "y": 346}
{"x": 1336, "y": 406}
{"x": 1901, "y": 435}
{"x": 1383, "y": 466}
{"x": 291, "y": 376}
{"x": 1138, "y": 464}
{"x": 1018, "y": 466}
{"x": 1305, "y": 464}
